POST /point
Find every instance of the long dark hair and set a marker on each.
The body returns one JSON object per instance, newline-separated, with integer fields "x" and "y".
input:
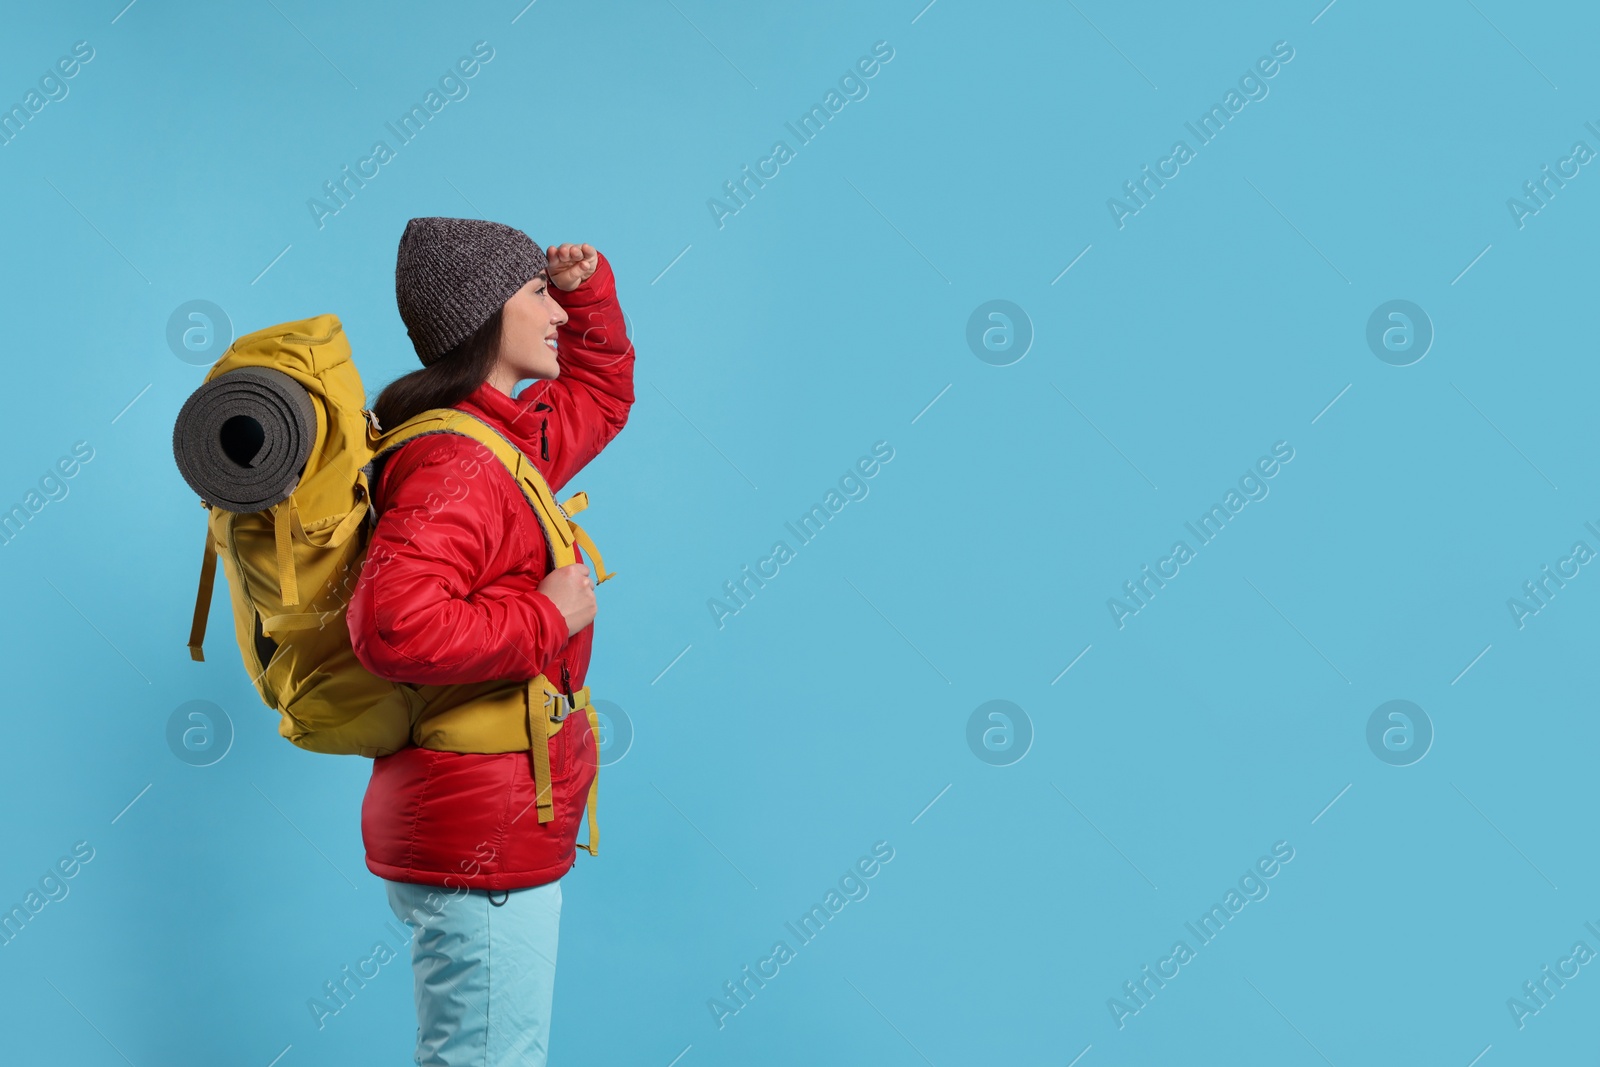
{"x": 442, "y": 383}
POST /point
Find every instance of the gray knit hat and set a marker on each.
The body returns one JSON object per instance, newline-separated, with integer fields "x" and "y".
{"x": 452, "y": 274}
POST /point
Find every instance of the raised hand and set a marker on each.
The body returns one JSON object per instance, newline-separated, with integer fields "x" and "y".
{"x": 569, "y": 266}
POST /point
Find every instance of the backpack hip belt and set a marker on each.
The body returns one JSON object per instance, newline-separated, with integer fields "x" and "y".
{"x": 508, "y": 717}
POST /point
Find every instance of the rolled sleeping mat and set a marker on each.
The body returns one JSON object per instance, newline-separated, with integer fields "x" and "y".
{"x": 243, "y": 438}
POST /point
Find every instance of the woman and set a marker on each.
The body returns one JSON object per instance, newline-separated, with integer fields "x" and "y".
{"x": 461, "y": 595}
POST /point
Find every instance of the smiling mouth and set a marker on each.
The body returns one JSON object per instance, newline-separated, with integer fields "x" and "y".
{"x": 551, "y": 341}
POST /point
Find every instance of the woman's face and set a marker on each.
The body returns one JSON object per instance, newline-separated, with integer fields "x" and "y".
{"x": 528, "y": 333}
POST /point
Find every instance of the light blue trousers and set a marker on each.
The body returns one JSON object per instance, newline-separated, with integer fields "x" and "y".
{"x": 484, "y": 972}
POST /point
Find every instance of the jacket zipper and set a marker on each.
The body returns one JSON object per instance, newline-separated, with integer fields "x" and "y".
{"x": 544, "y": 441}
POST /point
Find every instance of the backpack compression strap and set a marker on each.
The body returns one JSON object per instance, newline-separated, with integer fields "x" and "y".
{"x": 202, "y": 599}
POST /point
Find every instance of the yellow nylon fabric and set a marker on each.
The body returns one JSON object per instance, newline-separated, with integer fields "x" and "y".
{"x": 593, "y": 847}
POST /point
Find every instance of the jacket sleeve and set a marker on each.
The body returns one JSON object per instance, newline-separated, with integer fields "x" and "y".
{"x": 421, "y": 612}
{"x": 588, "y": 403}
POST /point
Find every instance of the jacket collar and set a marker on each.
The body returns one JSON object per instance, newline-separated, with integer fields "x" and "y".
{"x": 517, "y": 419}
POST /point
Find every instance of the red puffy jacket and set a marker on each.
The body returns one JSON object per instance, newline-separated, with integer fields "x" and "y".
{"x": 450, "y": 594}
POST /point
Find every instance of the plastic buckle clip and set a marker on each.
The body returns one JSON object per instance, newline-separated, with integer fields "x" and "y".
{"x": 563, "y": 706}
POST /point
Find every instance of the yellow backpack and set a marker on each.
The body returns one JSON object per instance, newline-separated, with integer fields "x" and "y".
{"x": 292, "y": 569}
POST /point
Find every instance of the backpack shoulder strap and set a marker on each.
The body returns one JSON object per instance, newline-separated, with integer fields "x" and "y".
{"x": 560, "y": 531}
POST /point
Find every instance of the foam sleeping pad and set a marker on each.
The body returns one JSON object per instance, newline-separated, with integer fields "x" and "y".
{"x": 242, "y": 439}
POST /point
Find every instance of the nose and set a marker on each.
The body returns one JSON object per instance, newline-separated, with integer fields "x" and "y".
{"x": 558, "y": 314}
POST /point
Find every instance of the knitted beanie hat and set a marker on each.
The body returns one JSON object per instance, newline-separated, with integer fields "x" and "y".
{"x": 452, "y": 274}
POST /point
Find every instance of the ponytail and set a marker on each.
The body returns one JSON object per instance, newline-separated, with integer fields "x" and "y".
{"x": 448, "y": 380}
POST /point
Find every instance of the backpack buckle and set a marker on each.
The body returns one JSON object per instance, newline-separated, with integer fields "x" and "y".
{"x": 560, "y": 706}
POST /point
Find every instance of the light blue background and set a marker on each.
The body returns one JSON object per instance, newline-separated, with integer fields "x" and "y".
{"x": 823, "y": 317}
